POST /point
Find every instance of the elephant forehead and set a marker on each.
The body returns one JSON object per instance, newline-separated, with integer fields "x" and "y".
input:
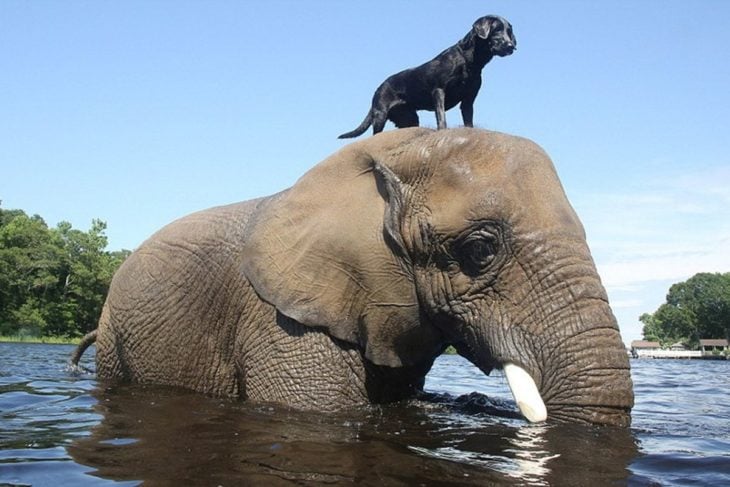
{"x": 525, "y": 210}
{"x": 451, "y": 209}
{"x": 498, "y": 177}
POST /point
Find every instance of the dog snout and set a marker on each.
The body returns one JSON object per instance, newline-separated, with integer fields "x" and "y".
{"x": 504, "y": 48}
{"x": 509, "y": 45}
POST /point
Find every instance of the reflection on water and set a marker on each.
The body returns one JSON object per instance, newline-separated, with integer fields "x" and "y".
{"x": 531, "y": 454}
{"x": 528, "y": 463}
{"x": 56, "y": 425}
{"x": 169, "y": 435}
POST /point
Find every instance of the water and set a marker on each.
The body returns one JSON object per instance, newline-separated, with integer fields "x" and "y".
{"x": 57, "y": 428}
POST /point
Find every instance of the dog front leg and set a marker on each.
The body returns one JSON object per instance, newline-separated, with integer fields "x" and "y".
{"x": 467, "y": 102}
{"x": 467, "y": 113}
{"x": 439, "y": 100}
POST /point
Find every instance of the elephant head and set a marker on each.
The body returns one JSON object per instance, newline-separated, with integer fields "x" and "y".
{"x": 413, "y": 240}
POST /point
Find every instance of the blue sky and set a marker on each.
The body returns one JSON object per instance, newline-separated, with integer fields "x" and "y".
{"x": 138, "y": 113}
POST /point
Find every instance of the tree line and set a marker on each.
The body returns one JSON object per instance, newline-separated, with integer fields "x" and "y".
{"x": 53, "y": 281}
{"x": 695, "y": 309}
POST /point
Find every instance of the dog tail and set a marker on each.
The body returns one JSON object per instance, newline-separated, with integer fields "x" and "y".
{"x": 360, "y": 129}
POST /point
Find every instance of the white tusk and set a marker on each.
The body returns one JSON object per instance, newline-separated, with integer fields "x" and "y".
{"x": 525, "y": 393}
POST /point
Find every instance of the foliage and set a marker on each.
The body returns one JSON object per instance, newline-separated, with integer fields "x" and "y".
{"x": 53, "y": 281}
{"x": 45, "y": 340}
{"x": 696, "y": 308}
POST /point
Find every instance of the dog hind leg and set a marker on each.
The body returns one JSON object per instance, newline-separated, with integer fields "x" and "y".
{"x": 403, "y": 116}
{"x": 379, "y": 119}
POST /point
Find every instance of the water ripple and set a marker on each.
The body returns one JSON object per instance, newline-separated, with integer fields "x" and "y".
{"x": 59, "y": 426}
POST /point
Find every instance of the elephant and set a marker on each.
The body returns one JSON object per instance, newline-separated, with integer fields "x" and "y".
{"x": 342, "y": 290}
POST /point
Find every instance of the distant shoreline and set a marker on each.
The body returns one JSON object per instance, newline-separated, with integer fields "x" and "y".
{"x": 702, "y": 357}
{"x": 40, "y": 340}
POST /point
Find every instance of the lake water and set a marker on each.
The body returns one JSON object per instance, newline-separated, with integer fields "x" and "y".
{"x": 60, "y": 428}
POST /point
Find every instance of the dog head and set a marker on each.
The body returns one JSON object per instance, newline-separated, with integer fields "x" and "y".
{"x": 497, "y": 33}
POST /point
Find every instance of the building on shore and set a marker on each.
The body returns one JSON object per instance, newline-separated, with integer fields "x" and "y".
{"x": 644, "y": 349}
{"x": 709, "y": 349}
{"x": 714, "y": 346}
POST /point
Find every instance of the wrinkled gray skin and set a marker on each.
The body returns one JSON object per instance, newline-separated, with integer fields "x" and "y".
{"x": 342, "y": 290}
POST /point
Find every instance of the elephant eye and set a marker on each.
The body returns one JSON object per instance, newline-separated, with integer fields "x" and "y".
{"x": 478, "y": 252}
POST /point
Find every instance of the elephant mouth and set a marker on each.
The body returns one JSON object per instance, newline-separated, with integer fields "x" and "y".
{"x": 523, "y": 387}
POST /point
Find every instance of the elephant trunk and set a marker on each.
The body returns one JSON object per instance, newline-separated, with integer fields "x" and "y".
{"x": 592, "y": 382}
{"x": 584, "y": 378}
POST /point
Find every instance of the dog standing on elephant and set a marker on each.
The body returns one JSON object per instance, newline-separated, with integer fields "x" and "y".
{"x": 452, "y": 77}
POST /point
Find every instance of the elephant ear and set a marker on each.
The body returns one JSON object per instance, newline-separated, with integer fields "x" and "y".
{"x": 328, "y": 254}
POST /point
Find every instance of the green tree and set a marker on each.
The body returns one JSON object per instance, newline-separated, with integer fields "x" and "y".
{"x": 694, "y": 309}
{"x": 30, "y": 258}
{"x": 53, "y": 281}
{"x": 86, "y": 272}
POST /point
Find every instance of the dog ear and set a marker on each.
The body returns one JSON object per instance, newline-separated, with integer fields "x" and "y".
{"x": 483, "y": 26}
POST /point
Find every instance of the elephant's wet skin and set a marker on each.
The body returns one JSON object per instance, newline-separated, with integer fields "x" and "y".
{"x": 316, "y": 371}
{"x": 343, "y": 289}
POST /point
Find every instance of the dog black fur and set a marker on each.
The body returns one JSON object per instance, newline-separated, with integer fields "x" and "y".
{"x": 453, "y": 76}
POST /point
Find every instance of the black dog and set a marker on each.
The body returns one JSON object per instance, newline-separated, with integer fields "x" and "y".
{"x": 453, "y": 76}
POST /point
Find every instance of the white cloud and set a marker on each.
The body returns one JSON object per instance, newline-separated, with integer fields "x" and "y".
{"x": 713, "y": 181}
{"x": 669, "y": 227}
{"x": 679, "y": 265}
{"x": 626, "y": 303}
{"x": 651, "y": 233}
